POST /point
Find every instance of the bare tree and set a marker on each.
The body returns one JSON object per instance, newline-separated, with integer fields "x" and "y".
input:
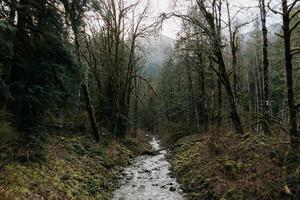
{"x": 234, "y": 28}
{"x": 210, "y": 24}
{"x": 288, "y": 13}
{"x": 75, "y": 12}
{"x": 121, "y": 24}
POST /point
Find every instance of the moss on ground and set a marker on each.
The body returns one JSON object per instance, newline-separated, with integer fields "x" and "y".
{"x": 233, "y": 167}
{"x": 75, "y": 168}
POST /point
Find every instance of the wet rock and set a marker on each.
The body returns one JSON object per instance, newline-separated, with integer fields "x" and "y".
{"x": 149, "y": 178}
{"x": 142, "y": 187}
{"x": 150, "y": 153}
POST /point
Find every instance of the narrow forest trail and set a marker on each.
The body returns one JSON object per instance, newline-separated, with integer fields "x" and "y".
{"x": 149, "y": 178}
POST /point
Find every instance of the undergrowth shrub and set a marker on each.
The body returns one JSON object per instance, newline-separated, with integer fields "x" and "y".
{"x": 171, "y": 132}
{"x": 7, "y": 132}
{"x": 22, "y": 146}
{"x": 33, "y": 143}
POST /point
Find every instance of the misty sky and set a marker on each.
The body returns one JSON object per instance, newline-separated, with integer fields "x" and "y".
{"x": 172, "y": 26}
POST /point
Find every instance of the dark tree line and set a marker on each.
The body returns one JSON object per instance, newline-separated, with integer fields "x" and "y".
{"x": 64, "y": 61}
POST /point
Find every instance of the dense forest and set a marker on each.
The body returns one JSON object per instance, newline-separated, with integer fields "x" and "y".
{"x": 76, "y": 80}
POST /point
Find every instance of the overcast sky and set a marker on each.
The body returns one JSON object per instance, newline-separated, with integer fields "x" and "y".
{"x": 172, "y": 26}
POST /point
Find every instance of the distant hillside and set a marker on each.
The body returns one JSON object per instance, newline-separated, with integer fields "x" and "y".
{"x": 272, "y": 29}
{"x": 157, "y": 50}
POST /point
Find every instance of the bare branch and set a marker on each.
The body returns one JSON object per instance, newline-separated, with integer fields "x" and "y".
{"x": 296, "y": 51}
{"x": 292, "y": 5}
{"x": 145, "y": 80}
{"x": 281, "y": 36}
{"x": 274, "y": 11}
{"x": 295, "y": 14}
{"x": 295, "y": 26}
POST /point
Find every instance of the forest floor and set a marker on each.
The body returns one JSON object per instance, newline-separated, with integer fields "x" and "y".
{"x": 228, "y": 166}
{"x": 75, "y": 167}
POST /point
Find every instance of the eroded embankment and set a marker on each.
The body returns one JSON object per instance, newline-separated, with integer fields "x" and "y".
{"x": 75, "y": 168}
{"x": 233, "y": 167}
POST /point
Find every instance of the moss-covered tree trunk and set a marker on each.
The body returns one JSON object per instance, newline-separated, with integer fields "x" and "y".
{"x": 263, "y": 14}
{"x": 287, "y": 32}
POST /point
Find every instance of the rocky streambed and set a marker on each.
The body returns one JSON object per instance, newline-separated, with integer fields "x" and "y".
{"x": 149, "y": 178}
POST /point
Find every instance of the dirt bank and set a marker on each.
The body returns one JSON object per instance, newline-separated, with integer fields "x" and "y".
{"x": 228, "y": 166}
{"x": 75, "y": 168}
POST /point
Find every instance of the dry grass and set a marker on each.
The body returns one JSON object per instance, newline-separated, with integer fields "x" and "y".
{"x": 225, "y": 165}
{"x": 75, "y": 168}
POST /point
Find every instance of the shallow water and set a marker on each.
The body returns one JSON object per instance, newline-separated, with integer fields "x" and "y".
{"x": 149, "y": 178}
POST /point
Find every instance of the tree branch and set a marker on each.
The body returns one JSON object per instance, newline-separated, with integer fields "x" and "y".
{"x": 274, "y": 11}
{"x": 295, "y": 26}
{"x": 281, "y": 36}
{"x": 296, "y": 51}
{"x": 145, "y": 80}
{"x": 295, "y": 14}
{"x": 292, "y": 5}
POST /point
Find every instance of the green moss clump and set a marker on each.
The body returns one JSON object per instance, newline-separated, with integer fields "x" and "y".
{"x": 234, "y": 194}
{"x": 230, "y": 166}
{"x": 75, "y": 168}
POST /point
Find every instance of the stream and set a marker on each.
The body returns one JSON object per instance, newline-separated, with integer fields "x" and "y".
{"x": 149, "y": 178}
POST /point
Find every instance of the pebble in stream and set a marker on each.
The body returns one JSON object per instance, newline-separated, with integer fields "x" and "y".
{"x": 149, "y": 179}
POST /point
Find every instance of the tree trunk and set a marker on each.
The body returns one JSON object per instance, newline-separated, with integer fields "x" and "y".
{"x": 90, "y": 111}
{"x": 234, "y": 67}
{"x": 219, "y": 98}
{"x": 294, "y": 134}
{"x": 192, "y": 103}
{"x": 202, "y": 104}
{"x": 220, "y": 104}
{"x": 249, "y": 96}
{"x": 223, "y": 76}
{"x": 74, "y": 15}
{"x": 167, "y": 111}
{"x": 86, "y": 94}
{"x": 135, "y": 110}
{"x": 233, "y": 48}
{"x": 265, "y": 63}
{"x": 226, "y": 82}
